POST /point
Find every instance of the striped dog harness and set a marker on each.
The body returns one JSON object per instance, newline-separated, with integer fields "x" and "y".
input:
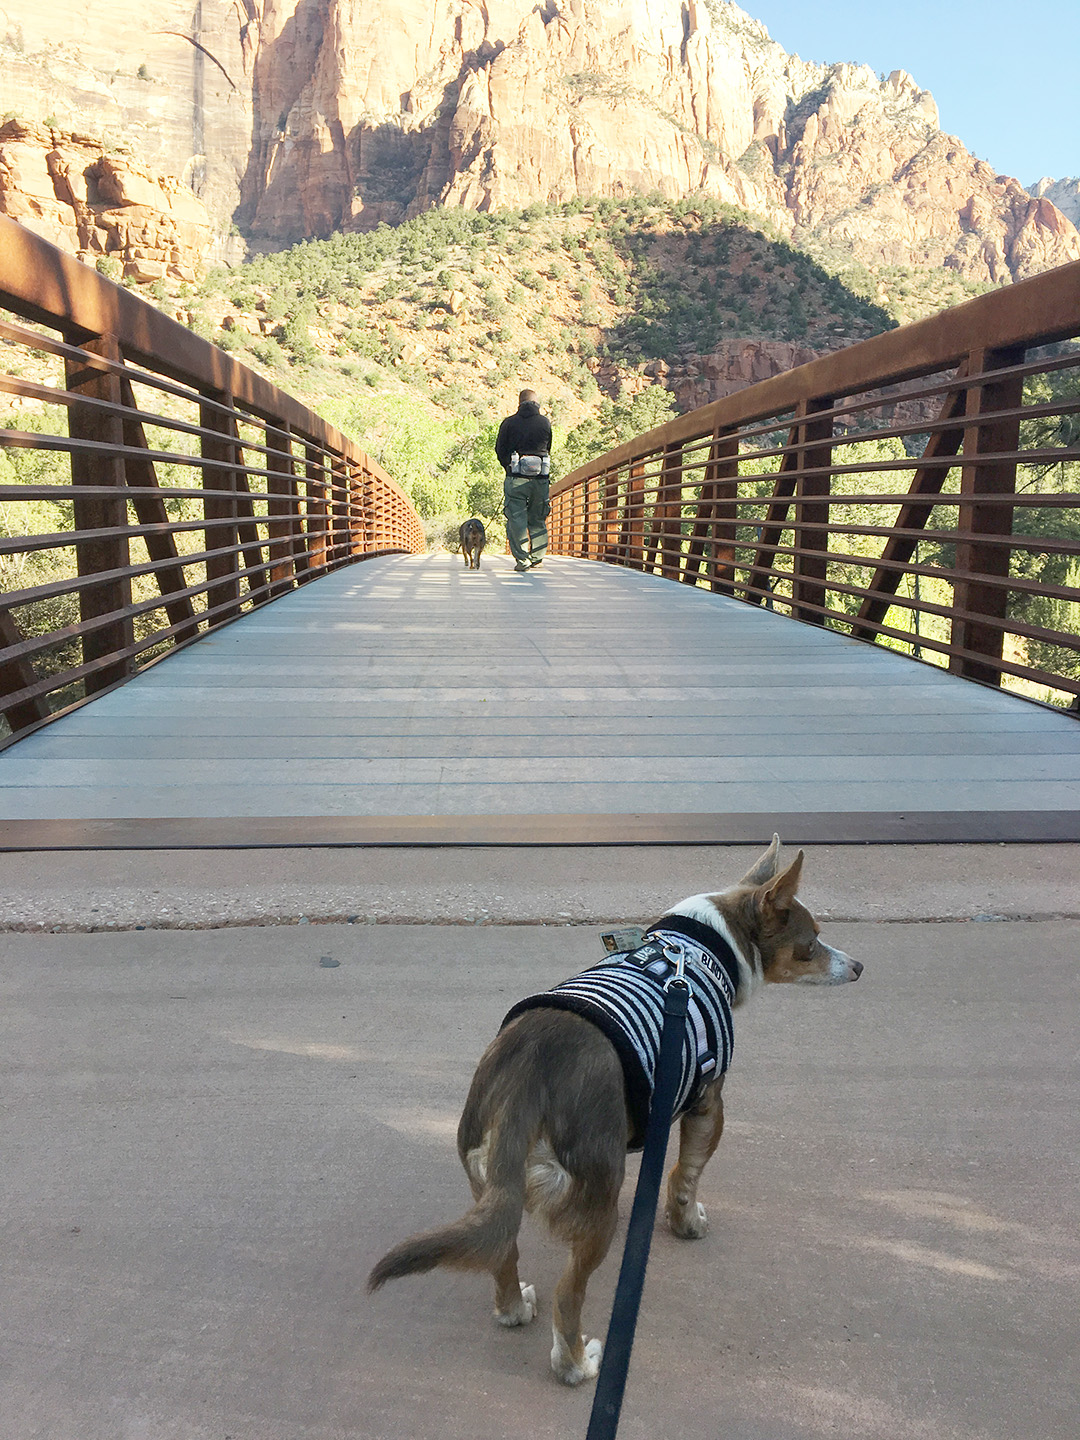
{"x": 623, "y": 996}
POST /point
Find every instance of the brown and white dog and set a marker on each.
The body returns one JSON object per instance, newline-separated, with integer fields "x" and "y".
{"x": 472, "y": 537}
{"x": 548, "y": 1119}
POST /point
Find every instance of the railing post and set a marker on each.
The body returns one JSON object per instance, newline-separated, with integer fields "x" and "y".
{"x": 588, "y": 523}
{"x": 609, "y": 523}
{"x": 281, "y": 514}
{"x": 810, "y": 567}
{"x": 978, "y": 604}
{"x": 659, "y": 542}
{"x": 633, "y": 529}
{"x": 339, "y": 509}
{"x": 222, "y": 571}
{"x": 111, "y": 553}
{"x": 380, "y": 540}
{"x": 318, "y": 509}
{"x": 669, "y": 512}
{"x": 18, "y": 674}
{"x": 367, "y": 520}
{"x": 714, "y": 523}
{"x": 761, "y": 575}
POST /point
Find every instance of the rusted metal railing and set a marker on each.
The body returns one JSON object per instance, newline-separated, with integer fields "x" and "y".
{"x": 151, "y": 487}
{"x": 920, "y": 489}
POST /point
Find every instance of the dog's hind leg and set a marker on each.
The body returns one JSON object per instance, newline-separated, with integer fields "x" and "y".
{"x": 515, "y": 1302}
{"x": 699, "y": 1134}
{"x": 573, "y": 1358}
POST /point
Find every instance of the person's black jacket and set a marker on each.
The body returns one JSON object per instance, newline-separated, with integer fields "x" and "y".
{"x": 528, "y": 432}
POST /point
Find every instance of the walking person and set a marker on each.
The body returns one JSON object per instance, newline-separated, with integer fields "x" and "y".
{"x": 523, "y": 448}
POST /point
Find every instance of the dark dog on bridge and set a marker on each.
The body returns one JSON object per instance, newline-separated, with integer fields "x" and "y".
{"x": 473, "y": 538}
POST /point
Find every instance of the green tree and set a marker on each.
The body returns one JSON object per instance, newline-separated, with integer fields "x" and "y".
{"x": 616, "y": 421}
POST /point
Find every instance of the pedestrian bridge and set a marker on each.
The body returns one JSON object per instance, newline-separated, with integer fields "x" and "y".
{"x": 198, "y": 660}
{"x": 408, "y": 699}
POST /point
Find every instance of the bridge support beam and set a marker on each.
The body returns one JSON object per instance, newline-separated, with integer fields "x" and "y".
{"x": 928, "y": 480}
{"x": 107, "y": 648}
{"x": 810, "y": 425}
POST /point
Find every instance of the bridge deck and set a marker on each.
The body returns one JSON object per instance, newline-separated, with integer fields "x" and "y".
{"x": 576, "y": 702}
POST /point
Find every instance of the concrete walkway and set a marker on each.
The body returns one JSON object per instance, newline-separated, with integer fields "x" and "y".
{"x": 209, "y": 1136}
{"x": 412, "y": 689}
{"x": 485, "y": 885}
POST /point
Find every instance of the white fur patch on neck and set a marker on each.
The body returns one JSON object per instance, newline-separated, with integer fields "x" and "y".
{"x": 705, "y": 911}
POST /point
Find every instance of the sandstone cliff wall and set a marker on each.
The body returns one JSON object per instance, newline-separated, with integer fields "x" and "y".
{"x": 370, "y": 113}
{"x": 164, "y": 78}
{"x": 299, "y": 117}
{"x": 65, "y": 189}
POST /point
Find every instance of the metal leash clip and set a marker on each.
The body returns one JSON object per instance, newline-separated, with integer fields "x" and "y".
{"x": 677, "y": 955}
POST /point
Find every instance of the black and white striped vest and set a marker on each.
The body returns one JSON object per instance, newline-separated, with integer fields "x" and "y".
{"x": 624, "y": 997}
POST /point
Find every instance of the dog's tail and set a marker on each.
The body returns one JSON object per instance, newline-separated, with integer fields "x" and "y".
{"x": 485, "y": 1234}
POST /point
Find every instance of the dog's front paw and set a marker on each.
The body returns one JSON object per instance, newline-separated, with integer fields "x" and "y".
{"x": 689, "y": 1222}
{"x": 571, "y": 1371}
{"x": 522, "y": 1312}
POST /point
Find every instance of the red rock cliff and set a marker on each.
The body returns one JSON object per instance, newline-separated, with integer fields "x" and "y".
{"x": 299, "y": 117}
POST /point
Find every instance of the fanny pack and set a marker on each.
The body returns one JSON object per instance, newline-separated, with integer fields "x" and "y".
{"x": 530, "y": 465}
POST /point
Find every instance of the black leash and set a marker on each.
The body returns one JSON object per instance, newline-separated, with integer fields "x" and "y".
{"x": 611, "y": 1381}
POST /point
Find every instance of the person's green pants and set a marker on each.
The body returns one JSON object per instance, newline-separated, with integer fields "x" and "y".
{"x": 526, "y": 506}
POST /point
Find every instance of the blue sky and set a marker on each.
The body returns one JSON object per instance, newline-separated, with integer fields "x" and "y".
{"x": 1003, "y": 72}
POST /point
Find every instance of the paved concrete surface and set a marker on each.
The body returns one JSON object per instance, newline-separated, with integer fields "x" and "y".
{"x": 409, "y": 686}
{"x": 82, "y": 889}
{"x": 208, "y": 1137}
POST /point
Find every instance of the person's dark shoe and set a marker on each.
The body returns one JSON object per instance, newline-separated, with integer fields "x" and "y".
{"x": 520, "y": 569}
{"x": 534, "y": 563}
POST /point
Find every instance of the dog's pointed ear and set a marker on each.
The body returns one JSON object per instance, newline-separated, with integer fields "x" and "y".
{"x": 763, "y": 869}
{"x": 776, "y": 896}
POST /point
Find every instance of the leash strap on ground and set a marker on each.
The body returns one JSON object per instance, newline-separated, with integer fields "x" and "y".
{"x": 611, "y": 1381}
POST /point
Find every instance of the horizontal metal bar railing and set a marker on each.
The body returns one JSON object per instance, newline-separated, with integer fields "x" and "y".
{"x": 101, "y": 566}
{"x": 778, "y": 495}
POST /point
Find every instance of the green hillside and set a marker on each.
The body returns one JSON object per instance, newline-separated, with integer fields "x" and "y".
{"x": 417, "y": 338}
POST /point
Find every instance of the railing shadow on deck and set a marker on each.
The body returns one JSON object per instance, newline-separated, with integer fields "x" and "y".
{"x": 919, "y": 489}
{"x": 183, "y": 490}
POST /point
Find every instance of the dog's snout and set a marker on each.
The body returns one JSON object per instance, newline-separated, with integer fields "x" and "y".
{"x": 856, "y": 966}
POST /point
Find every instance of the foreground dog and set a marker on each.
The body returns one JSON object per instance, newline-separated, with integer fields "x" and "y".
{"x": 563, "y": 1092}
{"x": 473, "y": 538}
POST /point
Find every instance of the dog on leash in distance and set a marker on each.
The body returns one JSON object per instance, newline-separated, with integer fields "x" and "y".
{"x": 473, "y": 538}
{"x": 563, "y": 1093}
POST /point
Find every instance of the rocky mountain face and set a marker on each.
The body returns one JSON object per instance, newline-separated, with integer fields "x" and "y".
{"x": 95, "y": 205}
{"x": 165, "y": 79}
{"x": 699, "y": 379}
{"x": 296, "y": 118}
{"x": 373, "y": 112}
{"x": 1064, "y": 194}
